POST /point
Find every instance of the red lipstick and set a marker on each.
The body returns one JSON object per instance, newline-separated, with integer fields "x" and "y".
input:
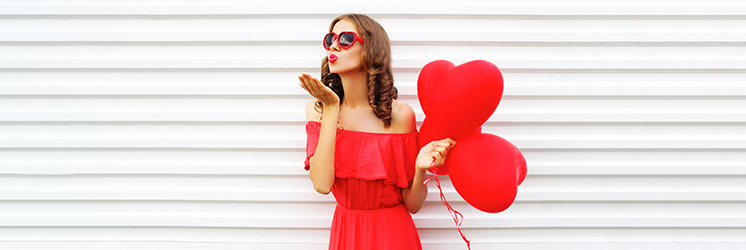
{"x": 332, "y": 58}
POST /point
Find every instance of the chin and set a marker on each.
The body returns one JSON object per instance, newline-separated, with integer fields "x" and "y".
{"x": 333, "y": 69}
{"x": 339, "y": 70}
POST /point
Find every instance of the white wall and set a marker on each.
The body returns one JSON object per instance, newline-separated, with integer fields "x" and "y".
{"x": 179, "y": 125}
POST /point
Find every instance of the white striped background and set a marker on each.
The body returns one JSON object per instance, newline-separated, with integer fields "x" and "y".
{"x": 178, "y": 124}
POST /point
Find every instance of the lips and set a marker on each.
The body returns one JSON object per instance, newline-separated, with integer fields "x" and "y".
{"x": 333, "y": 58}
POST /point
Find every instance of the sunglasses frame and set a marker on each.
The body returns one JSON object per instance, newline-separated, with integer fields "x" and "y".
{"x": 336, "y": 36}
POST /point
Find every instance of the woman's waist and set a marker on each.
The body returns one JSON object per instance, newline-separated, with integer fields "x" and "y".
{"x": 382, "y": 209}
{"x": 368, "y": 202}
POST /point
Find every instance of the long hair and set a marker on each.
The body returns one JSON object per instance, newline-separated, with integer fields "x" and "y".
{"x": 376, "y": 61}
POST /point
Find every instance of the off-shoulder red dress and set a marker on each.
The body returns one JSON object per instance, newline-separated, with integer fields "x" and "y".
{"x": 370, "y": 170}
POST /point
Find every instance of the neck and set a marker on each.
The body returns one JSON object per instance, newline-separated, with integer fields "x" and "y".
{"x": 356, "y": 89}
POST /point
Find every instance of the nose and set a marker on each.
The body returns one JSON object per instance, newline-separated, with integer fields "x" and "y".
{"x": 335, "y": 46}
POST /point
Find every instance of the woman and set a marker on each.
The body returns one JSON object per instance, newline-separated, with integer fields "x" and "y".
{"x": 362, "y": 142}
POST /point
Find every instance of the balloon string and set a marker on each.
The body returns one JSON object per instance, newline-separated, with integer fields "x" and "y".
{"x": 434, "y": 175}
{"x": 458, "y": 218}
{"x": 435, "y": 172}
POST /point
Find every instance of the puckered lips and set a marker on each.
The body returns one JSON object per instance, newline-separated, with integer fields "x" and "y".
{"x": 333, "y": 58}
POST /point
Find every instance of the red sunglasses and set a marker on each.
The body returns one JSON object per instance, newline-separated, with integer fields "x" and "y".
{"x": 346, "y": 39}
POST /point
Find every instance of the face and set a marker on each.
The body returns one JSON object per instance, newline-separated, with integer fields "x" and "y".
{"x": 348, "y": 60}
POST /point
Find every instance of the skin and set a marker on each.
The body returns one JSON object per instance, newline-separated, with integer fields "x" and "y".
{"x": 355, "y": 113}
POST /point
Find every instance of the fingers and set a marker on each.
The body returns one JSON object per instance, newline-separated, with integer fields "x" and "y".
{"x": 303, "y": 84}
{"x": 308, "y": 83}
{"x": 316, "y": 84}
{"x": 440, "y": 150}
{"x": 435, "y": 153}
{"x": 450, "y": 141}
{"x": 447, "y": 143}
{"x": 312, "y": 85}
{"x": 438, "y": 159}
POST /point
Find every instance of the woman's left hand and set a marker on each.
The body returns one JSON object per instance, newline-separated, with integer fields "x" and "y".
{"x": 437, "y": 150}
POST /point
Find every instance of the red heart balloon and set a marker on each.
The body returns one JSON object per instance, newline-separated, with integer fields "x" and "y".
{"x": 427, "y": 134}
{"x": 459, "y": 99}
{"x": 483, "y": 171}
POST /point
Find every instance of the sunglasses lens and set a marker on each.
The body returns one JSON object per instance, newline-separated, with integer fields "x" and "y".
{"x": 346, "y": 39}
{"x": 328, "y": 40}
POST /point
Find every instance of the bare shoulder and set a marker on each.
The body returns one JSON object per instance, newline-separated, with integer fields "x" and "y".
{"x": 311, "y": 113}
{"x": 403, "y": 119}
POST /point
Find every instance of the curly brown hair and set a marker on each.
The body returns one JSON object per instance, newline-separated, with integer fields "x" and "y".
{"x": 376, "y": 60}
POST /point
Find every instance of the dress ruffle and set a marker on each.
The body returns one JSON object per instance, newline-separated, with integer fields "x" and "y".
{"x": 369, "y": 156}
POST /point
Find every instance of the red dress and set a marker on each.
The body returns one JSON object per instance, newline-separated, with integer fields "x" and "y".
{"x": 370, "y": 169}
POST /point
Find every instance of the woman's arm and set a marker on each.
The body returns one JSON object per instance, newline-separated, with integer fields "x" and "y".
{"x": 322, "y": 162}
{"x": 414, "y": 196}
{"x": 403, "y": 121}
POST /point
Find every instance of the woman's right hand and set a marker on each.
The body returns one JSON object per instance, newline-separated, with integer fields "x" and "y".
{"x": 318, "y": 90}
